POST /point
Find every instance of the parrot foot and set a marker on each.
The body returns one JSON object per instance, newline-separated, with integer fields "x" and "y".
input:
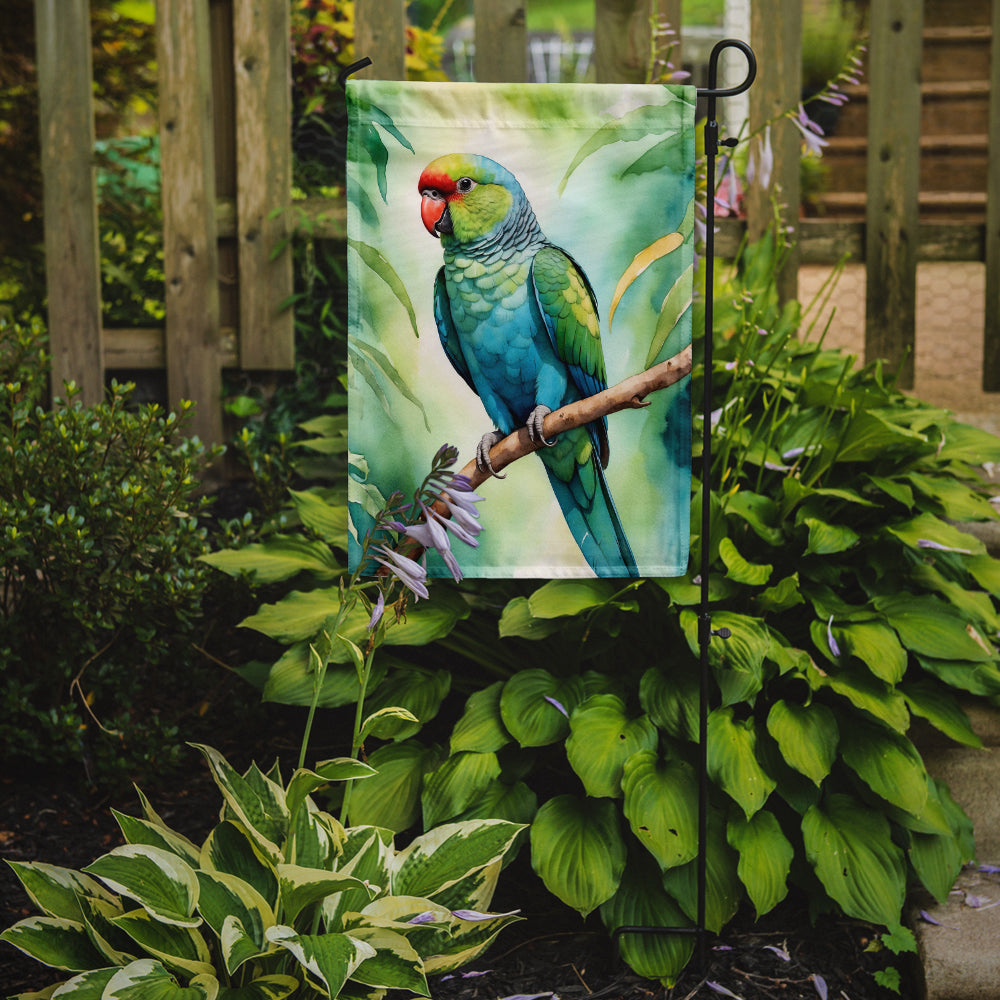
{"x": 483, "y": 462}
{"x": 534, "y": 425}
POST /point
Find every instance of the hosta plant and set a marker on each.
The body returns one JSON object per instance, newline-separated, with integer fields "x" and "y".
{"x": 279, "y": 900}
{"x": 855, "y": 605}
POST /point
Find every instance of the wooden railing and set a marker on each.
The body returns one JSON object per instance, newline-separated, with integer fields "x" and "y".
{"x": 226, "y": 161}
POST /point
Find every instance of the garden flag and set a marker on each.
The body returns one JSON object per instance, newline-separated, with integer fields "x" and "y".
{"x": 513, "y": 249}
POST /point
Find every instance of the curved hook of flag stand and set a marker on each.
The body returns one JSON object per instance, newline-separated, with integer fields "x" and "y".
{"x": 705, "y": 631}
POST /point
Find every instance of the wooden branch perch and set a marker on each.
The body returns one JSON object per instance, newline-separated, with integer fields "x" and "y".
{"x": 629, "y": 394}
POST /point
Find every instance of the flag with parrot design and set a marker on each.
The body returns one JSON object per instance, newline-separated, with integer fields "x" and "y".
{"x": 515, "y": 249}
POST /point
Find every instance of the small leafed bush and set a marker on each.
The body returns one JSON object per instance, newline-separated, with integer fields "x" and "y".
{"x": 280, "y": 899}
{"x": 100, "y": 582}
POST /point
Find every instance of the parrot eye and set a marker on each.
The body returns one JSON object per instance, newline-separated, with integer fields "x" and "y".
{"x": 465, "y": 184}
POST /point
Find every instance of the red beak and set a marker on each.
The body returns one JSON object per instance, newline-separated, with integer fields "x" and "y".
{"x": 432, "y": 206}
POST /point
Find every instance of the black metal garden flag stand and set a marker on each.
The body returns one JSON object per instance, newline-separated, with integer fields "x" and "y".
{"x": 705, "y": 631}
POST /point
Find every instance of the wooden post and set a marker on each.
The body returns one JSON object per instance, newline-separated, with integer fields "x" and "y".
{"x": 501, "y": 41}
{"x": 776, "y": 34}
{"x": 380, "y": 34}
{"x": 190, "y": 254}
{"x": 991, "y": 333}
{"x": 893, "y": 183}
{"x": 622, "y": 40}
{"x": 72, "y": 256}
{"x": 262, "y": 61}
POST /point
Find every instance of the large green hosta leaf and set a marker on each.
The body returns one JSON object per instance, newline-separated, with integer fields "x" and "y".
{"x": 876, "y": 646}
{"x": 936, "y": 704}
{"x": 765, "y": 858}
{"x": 738, "y": 661}
{"x": 481, "y": 727}
{"x": 671, "y": 700}
{"x": 391, "y": 798}
{"x": 723, "y": 889}
{"x": 932, "y": 628}
{"x": 601, "y": 740}
{"x": 807, "y": 736}
{"x": 732, "y": 760}
{"x": 850, "y": 848}
{"x": 661, "y": 805}
{"x": 888, "y": 763}
{"x": 456, "y": 784}
{"x": 535, "y": 706}
{"x": 415, "y": 689}
{"x": 278, "y": 558}
{"x": 641, "y": 901}
{"x": 578, "y": 851}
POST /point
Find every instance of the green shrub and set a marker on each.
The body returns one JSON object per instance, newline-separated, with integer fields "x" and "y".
{"x": 101, "y": 584}
{"x": 280, "y": 899}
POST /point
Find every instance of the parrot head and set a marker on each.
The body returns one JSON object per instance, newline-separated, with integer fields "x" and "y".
{"x": 465, "y": 197}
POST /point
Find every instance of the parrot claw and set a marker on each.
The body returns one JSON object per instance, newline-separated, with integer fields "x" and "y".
{"x": 486, "y": 442}
{"x": 534, "y": 425}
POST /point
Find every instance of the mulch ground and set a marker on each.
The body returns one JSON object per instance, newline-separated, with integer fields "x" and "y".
{"x": 550, "y": 953}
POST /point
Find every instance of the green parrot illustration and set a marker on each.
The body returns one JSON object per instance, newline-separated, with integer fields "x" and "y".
{"x": 518, "y": 321}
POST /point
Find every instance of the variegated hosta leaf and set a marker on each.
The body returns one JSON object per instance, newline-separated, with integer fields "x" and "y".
{"x": 395, "y": 964}
{"x": 225, "y": 897}
{"x": 141, "y": 831}
{"x": 147, "y": 979}
{"x": 367, "y": 854}
{"x": 304, "y": 782}
{"x": 535, "y": 706}
{"x": 850, "y": 847}
{"x": 300, "y": 887}
{"x": 54, "y": 941}
{"x": 230, "y": 849}
{"x": 578, "y": 851}
{"x": 732, "y": 760}
{"x": 116, "y": 946}
{"x": 642, "y": 902}
{"x": 456, "y": 784}
{"x": 602, "y": 737}
{"x": 807, "y": 736}
{"x": 329, "y": 959}
{"x": 765, "y": 858}
{"x": 476, "y": 890}
{"x": 86, "y": 986}
{"x": 158, "y": 880}
{"x": 315, "y": 838}
{"x": 888, "y": 763}
{"x": 661, "y": 799}
{"x": 256, "y": 801}
{"x": 481, "y": 727}
{"x": 56, "y": 891}
{"x": 468, "y": 939}
{"x": 274, "y": 987}
{"x": 723, "y": 889}
{"x": 177, "y": 947}
{"x": 441, "y": 857}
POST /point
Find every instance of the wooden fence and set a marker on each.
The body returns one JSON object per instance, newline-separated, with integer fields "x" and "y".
{"x": 226, "y": 161}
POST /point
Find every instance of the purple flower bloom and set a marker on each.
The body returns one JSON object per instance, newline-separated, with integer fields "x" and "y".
{"x": 834, "y": 648}
{"x": 475, "y": 915}
{"x": 760, "y": 165}
{"x": 927, "y": 543}
{"x": 719, "y": 988}
{"x": 377, "y": 611}
{"x": 408, "y": 571}
{"x": 811, "y": 132}
{"x": 780, "y": 952}
{"x": 558, "y": 705}
{"x": 820, "y": 983}
{"x": 427, "y": 917}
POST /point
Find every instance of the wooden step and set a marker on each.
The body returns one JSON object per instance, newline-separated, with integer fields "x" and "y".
{"x": 947, "y": 106}
{"x": 956, "y": 53}
{"x": 947, "y": 162}
{"x": 958, "y": 206}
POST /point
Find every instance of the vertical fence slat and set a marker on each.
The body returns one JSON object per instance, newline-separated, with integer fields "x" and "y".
{"x": 621, "y": 40}
{"x": 501, "y": 41}
{"x": 190, "y": 253}
{"x": 776, "y": 35}
{"x": 380, "y": 34}
{"x": 72, "y": 257}
{"x": 991, "y": 332}
{"x": 893, "y": 183}
{"x": 262, "y": 64}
